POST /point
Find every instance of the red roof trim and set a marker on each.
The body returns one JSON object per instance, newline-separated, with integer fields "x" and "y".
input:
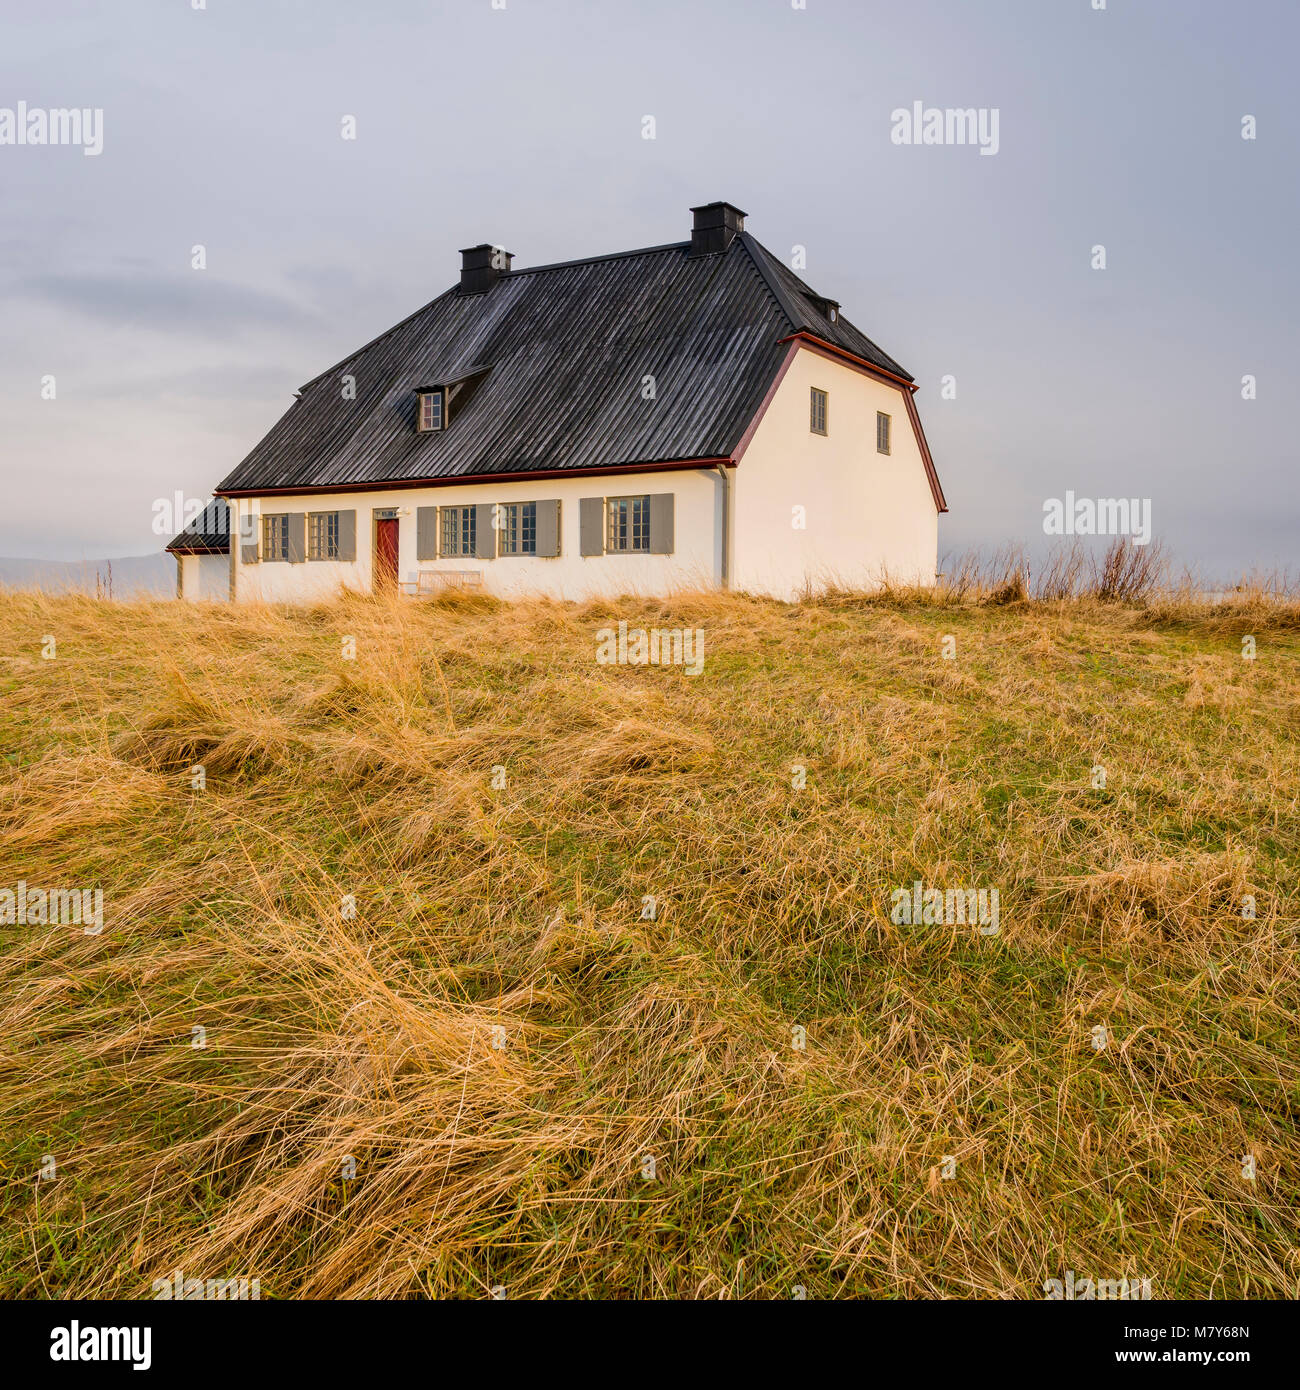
{"x": 739, "y": 451}
{"x": 930, "y": 472}
{"x": 829, "y": 349}
{"x": 396, "y": 484}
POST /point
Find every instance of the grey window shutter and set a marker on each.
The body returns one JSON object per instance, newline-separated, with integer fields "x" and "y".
{"x": 347, "y": 535}
{"x": 591, "y": 526}
{"x": 548, "y": 528}
{"x": 485, "y": 536}
{"x": 661, "y": 523}
{"x": 248, "y": 554}
{"x": 297, "y": 537}
{"x": 426, "y": 533}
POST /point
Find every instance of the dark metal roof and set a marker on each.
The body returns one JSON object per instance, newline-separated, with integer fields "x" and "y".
{"x": 802, "y": 305}
{"x": 567, "y": 349}
{"x": 207, "y": 534}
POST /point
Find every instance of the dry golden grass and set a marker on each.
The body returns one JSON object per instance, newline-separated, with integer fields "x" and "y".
{"x": 519, "y": 907}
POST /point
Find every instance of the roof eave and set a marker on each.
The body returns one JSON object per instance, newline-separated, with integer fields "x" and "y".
{"x": 551, "y": 474}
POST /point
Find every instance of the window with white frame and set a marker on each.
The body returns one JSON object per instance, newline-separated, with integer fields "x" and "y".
{"x": 629, "y": 524}
{"x": 275, "y": 537}
{"x": 432, "y": 405}
{"x": 882, "y": 432}
{"x": 458, "y": 531}
{"x": 517, "y": 528}
{"x": 322, "y": 535}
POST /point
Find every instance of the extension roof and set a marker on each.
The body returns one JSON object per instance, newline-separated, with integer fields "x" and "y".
{"x": 556, "y": 362}
{"x": 207, "y": 534}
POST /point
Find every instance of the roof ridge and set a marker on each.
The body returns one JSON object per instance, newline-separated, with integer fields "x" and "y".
{"x": 753, "y": 247}
{"x": 592, "y": 260}
{"x": 806, "y": 288}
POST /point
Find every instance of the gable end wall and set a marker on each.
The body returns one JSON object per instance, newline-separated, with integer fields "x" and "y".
{"x": 867, "y": 515}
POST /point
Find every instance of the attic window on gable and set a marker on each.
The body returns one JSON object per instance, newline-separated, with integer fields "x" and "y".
{"x": 817, "y": 412}
{"x": 433, "y": 408}
{"x": 882, "y": 432}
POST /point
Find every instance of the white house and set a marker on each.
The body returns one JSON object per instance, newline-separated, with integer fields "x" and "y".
{"x": 202, "y": 552}
{"x": 684, "y": 416}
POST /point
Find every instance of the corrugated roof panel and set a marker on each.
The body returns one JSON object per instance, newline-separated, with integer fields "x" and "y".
{"x": 208, "y": 533}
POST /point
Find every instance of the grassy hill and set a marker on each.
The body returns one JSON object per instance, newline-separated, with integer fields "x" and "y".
{"x": 503, "y": 1037}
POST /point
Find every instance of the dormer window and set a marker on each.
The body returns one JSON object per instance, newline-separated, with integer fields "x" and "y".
{"x": 433, "y": 409}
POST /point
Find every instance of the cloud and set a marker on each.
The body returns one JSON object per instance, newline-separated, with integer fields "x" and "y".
{"x": 328, "y": 278}
{"x": 213, "y": 382}
{"x": 195, "y": 303}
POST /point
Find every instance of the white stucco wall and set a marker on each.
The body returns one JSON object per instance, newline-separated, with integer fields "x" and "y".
{"x": 866, "y": 514}
{"x": 694, "y": 563}
{"x": 204, "y": 577}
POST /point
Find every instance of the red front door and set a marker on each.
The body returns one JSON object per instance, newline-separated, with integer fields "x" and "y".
{"x": 386, "y": 555}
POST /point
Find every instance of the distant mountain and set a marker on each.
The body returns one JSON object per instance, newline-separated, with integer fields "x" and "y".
{"x": 129, "y": 576}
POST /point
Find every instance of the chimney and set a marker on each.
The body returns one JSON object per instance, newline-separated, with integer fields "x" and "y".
{"x": 482, "y": 266}
{"x": 716, "y": 225}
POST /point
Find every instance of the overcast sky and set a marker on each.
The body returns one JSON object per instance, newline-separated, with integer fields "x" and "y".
{"x": 522, "y": 124}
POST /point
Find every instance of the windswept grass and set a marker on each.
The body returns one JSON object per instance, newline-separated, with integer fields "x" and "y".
{"x": 518, "y": 914}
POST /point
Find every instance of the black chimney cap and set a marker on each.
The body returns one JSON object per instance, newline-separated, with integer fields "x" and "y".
{"x": 482, "y": 266}
{"x": 718, "y": 213}
{"x": 715, "y": 227}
